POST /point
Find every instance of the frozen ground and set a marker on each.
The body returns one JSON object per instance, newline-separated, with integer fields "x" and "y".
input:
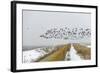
{"x": 32, "y": 55}
{"x": 72, "y": 55}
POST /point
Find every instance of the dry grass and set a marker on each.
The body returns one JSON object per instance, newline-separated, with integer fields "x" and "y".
{"x": 83, "y": 51}
{"x": 57, "y": 55}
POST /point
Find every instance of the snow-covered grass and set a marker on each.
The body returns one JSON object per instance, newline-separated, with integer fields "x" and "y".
{"x": 32, "y": 55}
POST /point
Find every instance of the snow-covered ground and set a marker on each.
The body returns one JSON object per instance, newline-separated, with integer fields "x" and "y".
{"x": 32, "y": 55}
{"x": 89, "y": 46}
{"x": 72, "y": 55}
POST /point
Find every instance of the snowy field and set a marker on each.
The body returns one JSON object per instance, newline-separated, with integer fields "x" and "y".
{"x": 32, "y": 55}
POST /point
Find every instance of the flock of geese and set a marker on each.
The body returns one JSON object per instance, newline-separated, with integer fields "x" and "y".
{"x": 67, "y": 33}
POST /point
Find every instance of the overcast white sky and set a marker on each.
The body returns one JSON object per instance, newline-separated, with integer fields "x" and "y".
{"x": 36, "y": 23}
